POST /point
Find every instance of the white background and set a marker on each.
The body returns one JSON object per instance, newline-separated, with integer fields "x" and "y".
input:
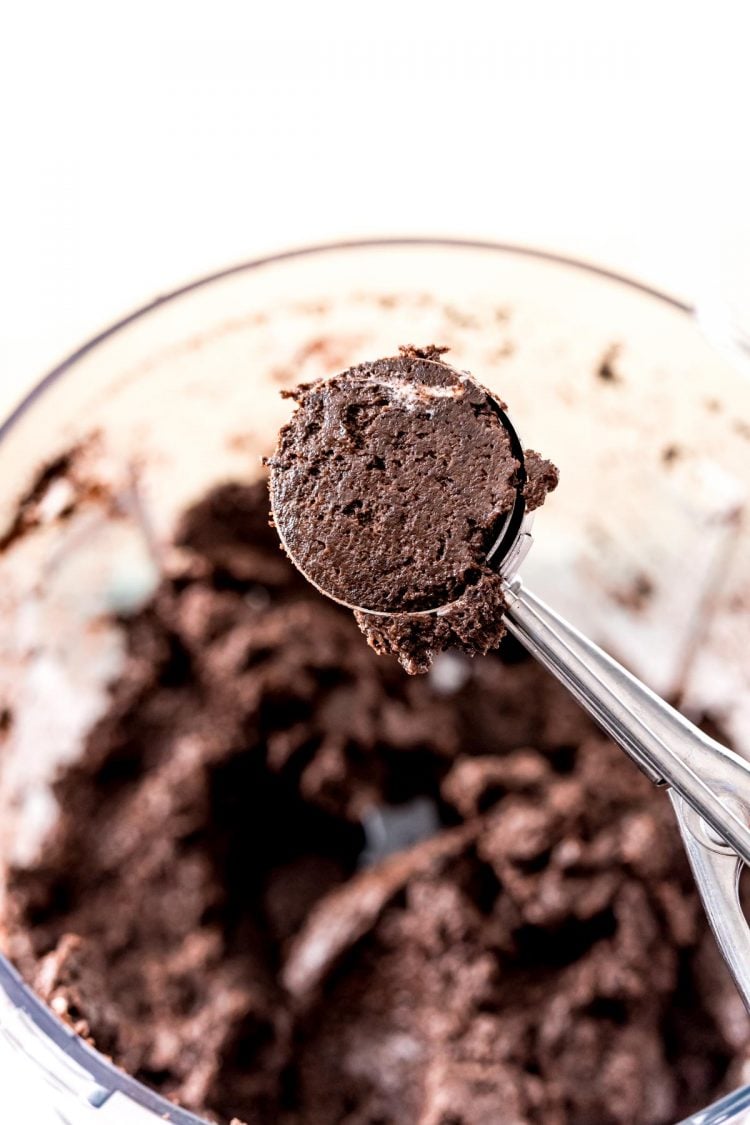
{"x": 146, "y": 144}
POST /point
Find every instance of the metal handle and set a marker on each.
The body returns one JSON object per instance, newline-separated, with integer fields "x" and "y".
{"x": 716, "y": 869}
{"x": 713, "y": 780}
{"x": 710, "y": 784}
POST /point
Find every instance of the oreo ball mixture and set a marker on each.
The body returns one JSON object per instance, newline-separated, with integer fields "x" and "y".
{"x": 292, "y": 884}
{"x": 390, "y": 486}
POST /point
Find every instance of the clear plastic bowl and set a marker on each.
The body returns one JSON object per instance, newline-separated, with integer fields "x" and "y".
{"x": 645, "y": 546}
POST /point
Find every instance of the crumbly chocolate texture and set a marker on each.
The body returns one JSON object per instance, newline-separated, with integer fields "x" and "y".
{"x": 473, "y": 624}
{"x": 389, "y": 486}
{"x": 200, "y": 913}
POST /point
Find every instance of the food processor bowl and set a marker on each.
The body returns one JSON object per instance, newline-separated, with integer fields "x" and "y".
{"x": 645, "y": 548}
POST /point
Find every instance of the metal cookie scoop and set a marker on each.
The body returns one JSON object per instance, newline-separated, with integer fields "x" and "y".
{"x": 709, "y": 785}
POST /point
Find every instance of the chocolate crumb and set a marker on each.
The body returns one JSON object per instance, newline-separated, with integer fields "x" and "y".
{"x": 431, "y": 351}
{"x": 637, "y": 594}
{"x": 541, "y": 478}
{"x": 26, "y": 516}
{"x": 607, "y": 369}
{"x": 61, "y": 488}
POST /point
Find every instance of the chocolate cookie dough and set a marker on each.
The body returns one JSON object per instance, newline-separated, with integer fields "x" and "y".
{"x": 389, "y": 488}
{"x": 202, "y": 912}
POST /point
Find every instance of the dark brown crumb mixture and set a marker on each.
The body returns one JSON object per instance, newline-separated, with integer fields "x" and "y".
{"x": 200, "y": 913}
{"x": 541, "y": 479}
{"x": 60, "y": 488}
{"x": 6, "y": 720}
{"x": 473, "y": 625}
{"x": 389, "y": 487}
{"x": 608, "y": 369}
{"x": 27, "y": 516}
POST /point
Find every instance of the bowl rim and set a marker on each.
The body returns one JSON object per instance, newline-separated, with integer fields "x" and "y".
{"x": 107, "y": 1077}
{"x": 311, "y": 250}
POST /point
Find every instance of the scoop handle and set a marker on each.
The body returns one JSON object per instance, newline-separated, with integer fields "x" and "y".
{"x": 712, "y": 780}
{"x": 716, "y": 870}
